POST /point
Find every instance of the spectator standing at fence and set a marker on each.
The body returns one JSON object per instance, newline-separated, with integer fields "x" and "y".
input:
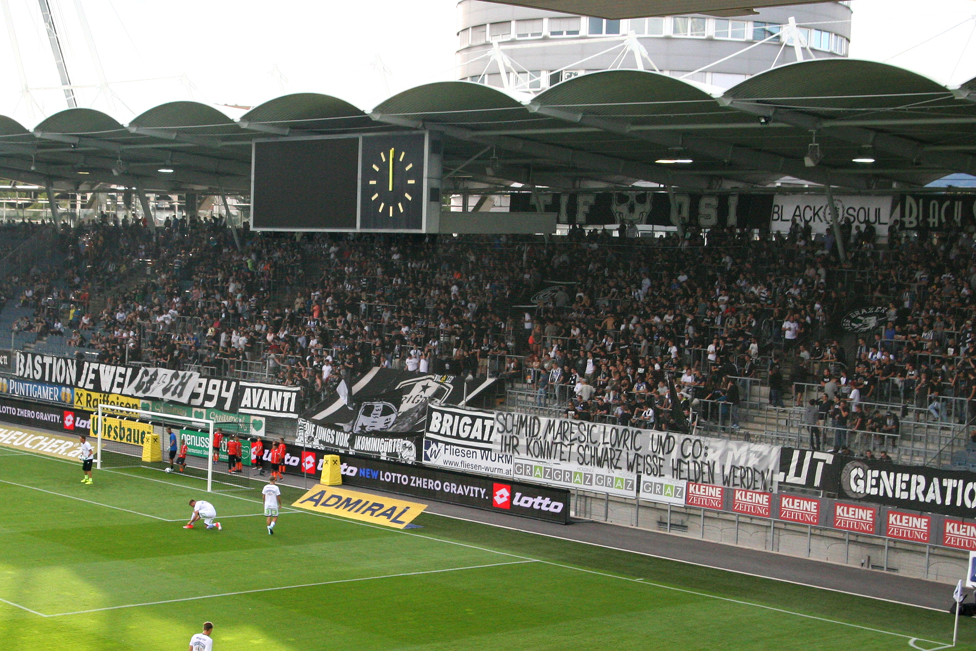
{"x": 775, "y": 387}
{"x": 840, "y": 419}
{"x": 811, "y": 418}
{"x": 542, "y": 389}
{"x": 732, "y": 396}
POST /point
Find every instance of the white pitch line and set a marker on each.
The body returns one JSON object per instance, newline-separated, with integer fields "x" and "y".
{"x": 691, "y": 563}
{"x": 287, "y": 587}
{"x": 662, "y": 586}
{"x": 72, "y": 497}
{"x": 32, "y": 612}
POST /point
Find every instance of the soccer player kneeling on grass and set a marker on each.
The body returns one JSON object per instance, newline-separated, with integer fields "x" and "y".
{"x": 203, "y": 511}
{"x": 272, "y": 502}
{"x": 202, "y": 641}
{"x": 87, "y": 458}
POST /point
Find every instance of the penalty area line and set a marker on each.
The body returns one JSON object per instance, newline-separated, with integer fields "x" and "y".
{"x": 80, "y": 499}
{"x": 287, "y": 587}
{"x": 32, "y": 612}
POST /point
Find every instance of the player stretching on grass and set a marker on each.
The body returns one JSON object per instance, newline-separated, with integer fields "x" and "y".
{"x": 272, "y": 502}
{"x": 87, "y": 457}
{"x": 206, "y": 512}
{"x": 202, "y": 641}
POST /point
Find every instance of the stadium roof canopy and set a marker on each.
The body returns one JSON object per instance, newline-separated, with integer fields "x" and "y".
{"x": 606, "y": 129}
{"x": 638, "y": 8}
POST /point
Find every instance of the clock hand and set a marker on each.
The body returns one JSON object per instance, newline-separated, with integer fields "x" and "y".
{"x": 391, "y": 169}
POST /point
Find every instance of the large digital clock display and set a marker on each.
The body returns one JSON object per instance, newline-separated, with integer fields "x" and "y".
{"x": 391, "y": 196}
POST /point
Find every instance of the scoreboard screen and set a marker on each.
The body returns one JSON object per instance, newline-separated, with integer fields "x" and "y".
{"x": 375, "y": 182}
{"x": 305, "y": 185}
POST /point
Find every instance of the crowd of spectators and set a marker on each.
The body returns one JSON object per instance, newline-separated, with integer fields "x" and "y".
{"x": 639, "y": 331}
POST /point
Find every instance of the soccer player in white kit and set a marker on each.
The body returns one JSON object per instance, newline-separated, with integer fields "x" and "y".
{"x": 202, "y": 641}
{"x": 272, "y": 502}
{"x": 203, "y": 511}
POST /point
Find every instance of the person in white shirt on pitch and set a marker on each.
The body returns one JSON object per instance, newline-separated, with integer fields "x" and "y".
{"x": 87, "y": 457}
{"x": 202, "y": 641}
{"x": 203, "y": 511}
{"x": 272, "y": 502}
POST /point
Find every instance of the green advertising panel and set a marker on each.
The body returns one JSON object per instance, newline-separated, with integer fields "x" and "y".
{"x": 198, "y": 445}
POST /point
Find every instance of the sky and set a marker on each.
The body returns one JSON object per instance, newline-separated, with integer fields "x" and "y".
{"x": 239, "y": 53}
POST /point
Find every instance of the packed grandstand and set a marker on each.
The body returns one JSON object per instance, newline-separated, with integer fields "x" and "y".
{"x": 714, "y": 331}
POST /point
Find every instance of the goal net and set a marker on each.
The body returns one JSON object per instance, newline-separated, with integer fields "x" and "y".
{"x": 129, "y": 437}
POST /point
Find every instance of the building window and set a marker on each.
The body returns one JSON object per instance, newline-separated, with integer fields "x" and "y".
{"x": 528, "y": 28}
{"x": 465, "y": 36}
{"x": 688, "y": 27}
{"x": 603, "y": 27}
{"x": 730, "y": 29}
{"x": 804, "y": 32}
{"x": 564, "y": 26}
{"x": 527, "y": 80}
{"x": 840, "y": 45}
{"x": 647, "y": 26}
{"x": 479, "y": 34}
{"x": 562, "y": 75}
{"x": 820, "y": 40}
{"x": 762, "y": 31}
{"x": 500, "y": 31}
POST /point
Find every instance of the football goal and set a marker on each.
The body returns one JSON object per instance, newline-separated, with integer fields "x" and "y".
{"x": 127, "y": 437}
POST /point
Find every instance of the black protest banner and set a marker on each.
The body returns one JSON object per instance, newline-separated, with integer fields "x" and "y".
{"x": 267, "y": 400}
{"x": 934, "y": 212}
{"x": 386, "y": 445}
{"x": 804, "y": 468}
{"x": 914, "y": 488}
{"x": 45, "y": 368}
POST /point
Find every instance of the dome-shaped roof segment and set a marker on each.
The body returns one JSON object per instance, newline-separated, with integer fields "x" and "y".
{"x": 79, "y": 121}
{"x": 476, "y": 101}
{"x": 302, "y": 106}
{"x": 635, "y": 96}
{"x": 837, "y": 85}
{"x": 181, "y": 114}
{"x": 309, "y": 111}
{"x": 10, "y": 127}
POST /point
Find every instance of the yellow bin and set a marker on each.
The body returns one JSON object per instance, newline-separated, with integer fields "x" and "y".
{"x": 331, "y": 470}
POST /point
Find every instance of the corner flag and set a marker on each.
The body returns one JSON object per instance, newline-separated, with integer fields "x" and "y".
{"x": 958, "y": 593}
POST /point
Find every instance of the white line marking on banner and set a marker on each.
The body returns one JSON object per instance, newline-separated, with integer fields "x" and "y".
{"x": 289, "y": 587}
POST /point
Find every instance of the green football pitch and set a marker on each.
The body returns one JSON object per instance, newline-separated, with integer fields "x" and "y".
{"x": 110, "y": 567}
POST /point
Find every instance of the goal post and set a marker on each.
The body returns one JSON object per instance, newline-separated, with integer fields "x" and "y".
{"x": 107, "y": 431}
